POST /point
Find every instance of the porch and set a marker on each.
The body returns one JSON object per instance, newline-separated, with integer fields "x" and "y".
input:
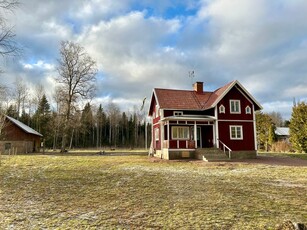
{"x": 189, "y": 132}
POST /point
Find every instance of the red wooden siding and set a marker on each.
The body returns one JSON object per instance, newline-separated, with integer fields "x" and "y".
{"x": 14, "y": 133}
{"x": 235, "y": 94}
{"x": 156, "y": 143}
{"x": 247, "y": 143}
{"x": 11, "y": 132}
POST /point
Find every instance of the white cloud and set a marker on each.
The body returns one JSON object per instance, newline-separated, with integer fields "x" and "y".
{"x": 260, "y": 43}
{"x": 40, "y": 64}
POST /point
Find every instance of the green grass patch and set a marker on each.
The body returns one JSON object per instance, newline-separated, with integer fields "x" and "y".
{"x": 134, "y": 192}
{"x": 302, "y": 156}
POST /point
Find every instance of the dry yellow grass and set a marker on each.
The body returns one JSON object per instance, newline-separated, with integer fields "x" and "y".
{"x": 133, "y": 192}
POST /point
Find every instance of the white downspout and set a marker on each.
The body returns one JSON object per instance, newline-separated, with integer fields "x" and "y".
{"x": 168, "y": 139}
{"x": 162, "y": 137}
{"x": 255, "y": 129}
{"x": 195, "y": 134}
{"x": 216, "y": 124}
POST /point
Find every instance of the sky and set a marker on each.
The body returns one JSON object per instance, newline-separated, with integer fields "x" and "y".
{"x": 144, "y": 44}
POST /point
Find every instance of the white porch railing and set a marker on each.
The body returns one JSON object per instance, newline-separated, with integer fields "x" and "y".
{"x": 225, "y": 147}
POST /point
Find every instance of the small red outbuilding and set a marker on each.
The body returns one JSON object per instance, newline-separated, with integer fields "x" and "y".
{"x": 16, "y": 137}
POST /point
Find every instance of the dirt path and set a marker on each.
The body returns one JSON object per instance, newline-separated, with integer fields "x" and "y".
{"x": 283, "y": 161}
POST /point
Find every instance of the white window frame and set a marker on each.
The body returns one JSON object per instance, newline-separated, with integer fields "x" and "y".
{"x": 177, "y": 113}
{"x": 157, "y": 111}
{"x": 222, "y": 109}
{"x": 237, "y": 106}
{"x": 157, "y": 134}
{"x": 182, "y": 133}
{"x": 248, "y": 110}
{"x": 237, "y": 129}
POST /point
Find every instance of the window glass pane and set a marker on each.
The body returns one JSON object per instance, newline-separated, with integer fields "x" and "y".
{"x": 233, "y": 132}
{"x": 175, "y": 132}
{"x": 232, "y": 106}
{"x": 237, "y": 106}
{"x": 186, "y": 133}
{"x": 180, "y": 132}
{"x": 238, "y": 132}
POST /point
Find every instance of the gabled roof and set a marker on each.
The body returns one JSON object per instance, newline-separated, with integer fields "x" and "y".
{"x": 282, "y": 131}
{"x": 24, "y": 127}
{"x": 191, "y": 100}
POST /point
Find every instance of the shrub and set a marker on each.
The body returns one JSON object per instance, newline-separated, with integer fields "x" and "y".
{"x": 281, "y": 146}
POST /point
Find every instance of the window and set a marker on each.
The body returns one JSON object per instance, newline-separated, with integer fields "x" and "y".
{"x": 235, "y": 106}
{"x": 157, "y": 112}
{"x": 180, "y": 132}
{"x": 157, "y": 134}
{"x": 236, "y": 132}
{"x": 248, "y": 110}
{"x": 222, "y": 109}
{"x": 7, "y": 146}
{"x": 178, "y": 113}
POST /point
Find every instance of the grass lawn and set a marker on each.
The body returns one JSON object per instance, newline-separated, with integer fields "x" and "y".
{"x": 135, "y": 192}
{"x": 302, "y": 156}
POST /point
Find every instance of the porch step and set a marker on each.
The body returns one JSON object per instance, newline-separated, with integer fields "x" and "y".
{"x": 211, "y": 154}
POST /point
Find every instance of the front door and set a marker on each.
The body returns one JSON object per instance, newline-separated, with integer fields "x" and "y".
{"x": 204, "y": 136}
{"x": 207, "y": 136}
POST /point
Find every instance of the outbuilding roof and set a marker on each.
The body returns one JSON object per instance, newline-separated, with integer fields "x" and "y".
{"x": 24, "y": 127}
{"x": 282, "y": 131}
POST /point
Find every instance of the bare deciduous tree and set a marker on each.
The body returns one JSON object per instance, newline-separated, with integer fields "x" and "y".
{"x": 77, "y": 75}
{"x": 114, "y": 115}
{"x": 20, "y": 94}
{"x": 8, "y": 46}
{"x": 5, "y": 98}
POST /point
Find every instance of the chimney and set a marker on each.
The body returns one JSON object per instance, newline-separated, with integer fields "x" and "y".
{"x": 198, "y": 87}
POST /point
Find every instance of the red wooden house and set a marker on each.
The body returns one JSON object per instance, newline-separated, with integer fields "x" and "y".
{"x": 16, "y": 137}
{"x": 185, "y": 121}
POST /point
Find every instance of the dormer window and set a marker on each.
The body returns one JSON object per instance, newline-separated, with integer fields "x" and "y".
{"x": 178, "y": 113}
{"x": 222, "y": 109}
{"x": 235, "y": 106}
{"x": 248, "y": 110}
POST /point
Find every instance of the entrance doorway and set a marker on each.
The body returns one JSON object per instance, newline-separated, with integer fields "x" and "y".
{"x": 205, "y": 136}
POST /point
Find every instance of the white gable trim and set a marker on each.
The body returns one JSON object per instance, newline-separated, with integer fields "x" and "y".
{"x": 229, "y": 88}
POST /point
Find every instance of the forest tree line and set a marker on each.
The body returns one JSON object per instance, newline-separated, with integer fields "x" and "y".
{"x": 70, "y": 125}
{"x": 89, "y": 127}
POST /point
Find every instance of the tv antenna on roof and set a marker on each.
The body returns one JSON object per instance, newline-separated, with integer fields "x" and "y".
{"x": 192, "y": 75}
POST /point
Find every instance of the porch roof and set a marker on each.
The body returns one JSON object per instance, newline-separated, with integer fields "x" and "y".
{"x": 189, "y": 118}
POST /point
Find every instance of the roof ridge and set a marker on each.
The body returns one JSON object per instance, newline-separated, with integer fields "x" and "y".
{"x": 212, "y": 93}
{"x": 196, "y": 99}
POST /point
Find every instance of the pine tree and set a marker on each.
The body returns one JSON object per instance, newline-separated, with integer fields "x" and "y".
{"x": 264, "y": 130}
{"x": 87, "y": 126}
{"x": 42, "y": 118}
{"x": 100, "y": 127}
{"x": 12, "y": 112}
{"x": 298, "y": 127}
{"x": 272, "y": 136}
